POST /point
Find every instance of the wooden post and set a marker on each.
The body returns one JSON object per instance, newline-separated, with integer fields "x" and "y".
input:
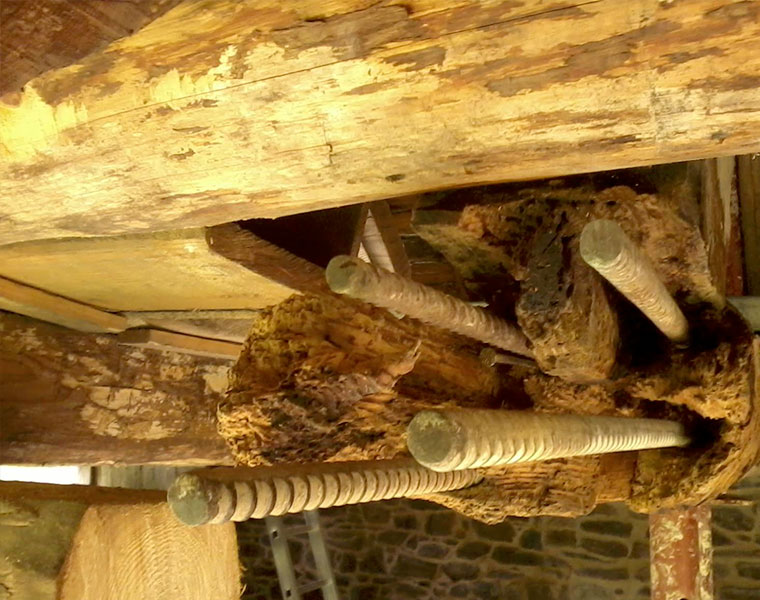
{"x": 85, "y": 543}
{"x": 680, "y": 543}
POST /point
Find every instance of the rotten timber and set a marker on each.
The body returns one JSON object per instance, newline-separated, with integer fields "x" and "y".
{"x": 210, "y": 113}
{"x": 69, "y": 397}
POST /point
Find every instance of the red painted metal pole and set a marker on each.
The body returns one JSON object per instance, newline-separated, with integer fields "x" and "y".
{"x": 680, "y": 543}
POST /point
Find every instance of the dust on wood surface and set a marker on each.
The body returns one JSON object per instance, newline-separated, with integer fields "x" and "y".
{"x": 69, "y": 397}
{"x": 210, "y": 113}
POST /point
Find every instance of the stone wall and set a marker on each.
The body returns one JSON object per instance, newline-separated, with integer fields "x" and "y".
{"x": 407, "y": 549}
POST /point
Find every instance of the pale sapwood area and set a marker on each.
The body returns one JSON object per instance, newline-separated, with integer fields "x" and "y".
{"x": 86, "y": 543}
{"x": 230, "y": 110}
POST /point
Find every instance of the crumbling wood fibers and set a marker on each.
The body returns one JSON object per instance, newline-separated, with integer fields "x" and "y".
{"x": 323, "y": 378}
{"x": 326, "y": 378}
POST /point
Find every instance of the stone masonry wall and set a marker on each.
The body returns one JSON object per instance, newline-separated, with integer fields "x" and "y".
{"x": 408, "y": 549}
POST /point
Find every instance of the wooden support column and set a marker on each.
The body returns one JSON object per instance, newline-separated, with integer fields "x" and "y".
{"x": 680, "y": 543}
{"x": 231, "y": 110}
{"x": 70, "y": 397}
{"x": 70, "y": 542}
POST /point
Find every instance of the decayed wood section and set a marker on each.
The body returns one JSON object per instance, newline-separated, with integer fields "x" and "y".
{"x": 232, "y": 110}
{"x": 85, "y": 543}
{"x": 69, "y": 397}
{"x": 531, "y": 236}
{"x": 326, "y": 378}
{"x": 319, "y": 380}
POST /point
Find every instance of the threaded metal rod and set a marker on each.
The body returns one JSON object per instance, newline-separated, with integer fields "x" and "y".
{"x": 608, "y": 250}
{"x": 463, "y": 439}
{"x": 358, "y": 279}
{"x": 237, "y": 494}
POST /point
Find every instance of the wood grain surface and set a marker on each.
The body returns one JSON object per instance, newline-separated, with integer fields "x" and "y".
{"x": 229, "y": 110}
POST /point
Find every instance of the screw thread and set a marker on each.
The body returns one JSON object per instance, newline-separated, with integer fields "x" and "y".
{"x": 197, "y": 499}
{"x": 353, "y": 277}
{"x": 608, "y": 250}
{"x": 466, "y": 439}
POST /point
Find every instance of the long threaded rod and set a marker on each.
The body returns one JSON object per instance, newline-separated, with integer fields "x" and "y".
{"x": 464, "y": 439}
{"x": 237, "y": 494}
{"x": 607, "y": 249}
{"x": 353, "y": 277}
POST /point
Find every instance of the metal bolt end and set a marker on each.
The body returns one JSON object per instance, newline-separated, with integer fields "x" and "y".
{"x": 489, "y": 357}
{"x": 601, "y": 243}
{"x": 197, "y": 501}
{"x": 435, "y": 440}
{"x": 343, "y": 276}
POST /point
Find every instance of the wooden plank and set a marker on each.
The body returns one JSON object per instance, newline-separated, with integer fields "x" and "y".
{"x": 680, "y": 543}
{"x": 173, "y": 270}
{"x": 25, "y": 300}
{"x": 748, "y": 173}
{"x": 67, "y": 543}
{"x": 74, "y": 398}
{"x": 389, "y": 237}
{"x": 259, "y": 256}
{"x": 156, "y": 339}
{"x": 720, "y": 224}
{"x": 226, "y": 325}
{"x": 231, "y": 110}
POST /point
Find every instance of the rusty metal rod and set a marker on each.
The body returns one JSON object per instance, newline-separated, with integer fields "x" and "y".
{"x": 353, "y": 277}
{"x": 236, "y": 494}
{"x": 449, "y": 440}
{"x": 490, "y": 357}
{"x": 606, "y": 248}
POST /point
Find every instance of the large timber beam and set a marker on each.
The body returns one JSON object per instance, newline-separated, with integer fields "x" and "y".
{"x": 229, "y": 110}
{"x": 71, "y": 397}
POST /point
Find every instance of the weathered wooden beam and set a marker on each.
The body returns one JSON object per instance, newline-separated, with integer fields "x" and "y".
{"x": 166, "y": 270}
{"x": 69, "y": 397}
{"x": 231, "y": 110}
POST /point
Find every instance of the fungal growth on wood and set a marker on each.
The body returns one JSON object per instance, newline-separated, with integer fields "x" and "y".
{"x": 336, "y": 378}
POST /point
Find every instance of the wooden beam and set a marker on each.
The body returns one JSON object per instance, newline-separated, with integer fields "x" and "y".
{"x": 384, "y": 228}
{"x": 231, "y": 110}
{"x": 73, "y": 398}
{"x": 35, "y": 303}
{"x": 167, "y": 270}
{"x": 748, "y": 175}
{"x": 255, "y": 254}
{"x": 156, "y": 339}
